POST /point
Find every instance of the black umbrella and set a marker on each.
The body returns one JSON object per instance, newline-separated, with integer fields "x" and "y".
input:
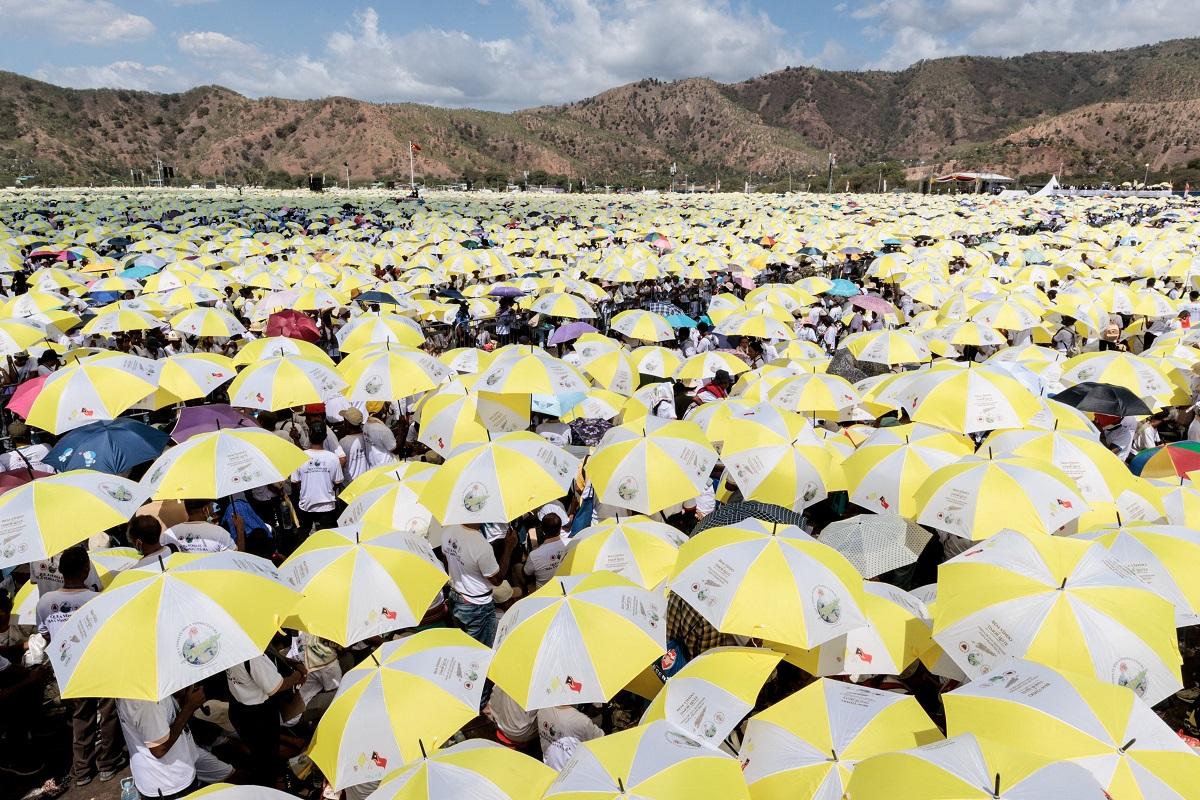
{"x": 1103, "y": 398}
{"x": 733, "y": 513}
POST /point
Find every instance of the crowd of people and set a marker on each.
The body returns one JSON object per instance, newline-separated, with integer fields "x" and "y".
{"x": 253, "y": 722}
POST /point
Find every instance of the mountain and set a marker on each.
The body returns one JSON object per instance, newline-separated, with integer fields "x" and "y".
{"x": 1096, "y": 116}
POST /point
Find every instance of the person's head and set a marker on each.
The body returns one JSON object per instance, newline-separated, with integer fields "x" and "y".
{"x": 73, "y": 565}
{"x": 353, "y": 418}
{"x": 1068, "y": 322}
{"x": 316, "y": 434}
{"x": 144, "y": 532}
{"x": 704, "y": 327}
{"x": 19, "y": 432}
{"x": 722, "y": 379}
{"x": 549, "y": 527}
{"x": 1194, "y": 295}
{"x": 197, "y": 510}
{"x": 48, "y": 359}
{"x": 21, "y": 359}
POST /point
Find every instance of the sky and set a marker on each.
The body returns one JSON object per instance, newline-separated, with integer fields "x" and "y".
{"x": 509, "y": 54}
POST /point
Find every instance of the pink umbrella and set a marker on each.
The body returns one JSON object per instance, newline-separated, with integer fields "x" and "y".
{"x": 294, "y": 325}
{"x": 873, "y": 302}
{"x": 25, "y": 394}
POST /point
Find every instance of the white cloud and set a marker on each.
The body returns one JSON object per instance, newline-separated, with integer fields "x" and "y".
{"x": 118, "y": 75}
{"x": 215, "y": 45}
{"x": 910, "y": 30}
{"x": 574, "y": 48}
{"x": 86, "y": 21}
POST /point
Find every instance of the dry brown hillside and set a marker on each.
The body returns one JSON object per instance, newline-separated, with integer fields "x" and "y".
{"x": 1089, "y": 112}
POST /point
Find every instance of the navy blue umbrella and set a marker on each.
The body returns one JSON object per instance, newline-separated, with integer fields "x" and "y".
{"x": 112, "y": 446}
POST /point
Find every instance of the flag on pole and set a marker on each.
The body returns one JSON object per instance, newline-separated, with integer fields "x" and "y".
{"x": 416, "y": 148}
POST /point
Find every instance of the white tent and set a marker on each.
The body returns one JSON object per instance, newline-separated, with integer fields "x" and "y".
{"x": 1051, "y": 186}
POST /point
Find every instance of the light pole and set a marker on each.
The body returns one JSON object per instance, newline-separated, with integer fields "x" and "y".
{"x": 1146, "y": 175}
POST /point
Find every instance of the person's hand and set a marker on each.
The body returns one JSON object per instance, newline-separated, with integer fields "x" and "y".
{"x": 511, "y": 540}
{"x": 193, "y": 697}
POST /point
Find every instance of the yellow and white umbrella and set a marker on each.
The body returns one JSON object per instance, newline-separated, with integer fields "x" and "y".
{"x": 409, "y": 695}
{"x": 220, "y": 463}
{"x": 390, "y": 373}
{"x": 649, "y": 762}
{"x": 818, "y": 393}
{"x": 578, "y": 639}
{"x": 18, "y": 335}
{"x": 1164, "y": 557}
{"x": 646, "y": 326}
{"x": 120, "y": 320}
{"x": 966, "y": 768}
{"x": 808, "y": 744}
{"x": 711, "y": 694}
{"x": 562, "y": 304}
{"x": 499, "y": 480}
{"x": 475, "y": 768}
{"x": 188, "y": 376}
{"x": 373, "y": 329}
{"x": 207, "y": 322}
{"x": 159, "y": 629}
{"x": 47, "y": 515}
{"x": 650, "y": 464}
{"x": 884, "y": 473}
{"x": 1058, "y": 601}
{"x": 283, "y": 382}
{"x": 529, "y": 370}
{"x": 614, "y": 370}
{"x": 1142, "y": 376}
{"x": 969, "y": 399}
{"x": 386, "y": 475}
{"x": 771, "y": 582}
{"x": 355, "y": 587}
{"x": 392, "y": 506}
{"x": 775, "y": 456}
{"x": 888, "y": 347}
{"x": 976, "y": 497}
{"x": 705, "y": 365}
{"x": 636, "y": 548}
{"x": 657, "y": 361}
{"x": 1099, "y": 475}
{"x": 279, "y": 347}
{"x": 1106, "y": 729}
{"x": 89, "y": 391}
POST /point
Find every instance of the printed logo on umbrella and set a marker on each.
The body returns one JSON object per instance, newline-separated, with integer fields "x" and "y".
{"x": 198, "y": 643}
{"x": 827, "y": 604}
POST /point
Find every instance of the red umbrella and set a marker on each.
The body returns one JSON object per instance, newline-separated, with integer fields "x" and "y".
{"x": 23, "y": 397}
{"x": 294, "y": 325}
{"x": 13, "y": 478}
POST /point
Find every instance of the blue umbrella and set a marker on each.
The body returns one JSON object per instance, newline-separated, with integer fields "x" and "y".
{"x": 137, "y": 272}
{"x": 112, "y": 446}
{"x": 681, "y": 321}
{"x": 843, "y": 288}
{"x": 376, "y": 296}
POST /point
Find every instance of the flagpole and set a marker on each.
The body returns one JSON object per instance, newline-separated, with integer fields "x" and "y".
{"x": 412, "y": 175}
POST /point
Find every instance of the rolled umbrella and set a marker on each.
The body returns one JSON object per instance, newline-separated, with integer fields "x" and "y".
{"x": 111, "y": 446}
{"x": 1103, "y": 398}
{"x": 206, "y": 419}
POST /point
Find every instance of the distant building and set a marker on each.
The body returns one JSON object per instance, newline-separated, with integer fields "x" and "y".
{"x": 989, "y": 182}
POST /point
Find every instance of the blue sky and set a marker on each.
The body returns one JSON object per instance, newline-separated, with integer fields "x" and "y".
{"x": 506, "y": 54}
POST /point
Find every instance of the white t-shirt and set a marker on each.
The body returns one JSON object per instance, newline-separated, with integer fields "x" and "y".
{"x": 471, "y": 562}
{"x": 358, "y": 455}
{"x": 200, "y": 537}
{"x": 44, "y": 573}
{"x": 55, "y": 608}
{"x": 559, "y": 722}
{"x": 252, "y": 682}
{"x": 317, "y": 478}
{"x": 543, "y": 561}
{"x": 146, "y": 723}
{"x": 513, "y": 721}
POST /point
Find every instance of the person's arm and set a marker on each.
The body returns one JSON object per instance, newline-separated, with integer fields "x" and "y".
{"x": 510, "y": 544}
{"x": 192, "y": 700}
{"x": 239, "y": 528}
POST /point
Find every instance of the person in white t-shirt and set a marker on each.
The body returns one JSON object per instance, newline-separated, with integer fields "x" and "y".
{"x": 558, "y": 722}
{"x": 544, "y": 559}
{"x": 163, "y": 757}
{"x": 89, "y": 716}
{"x": 252, "y": 684}
{"x": 198, "y": 534}
{"x": 474, "y": 570}
{"x": 145, "y": 533}
{"x": 318, "y": 480}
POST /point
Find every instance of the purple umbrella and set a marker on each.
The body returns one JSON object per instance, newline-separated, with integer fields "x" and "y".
{"x": 569, "y": 332}
{"x": 203, "y": 419}
{"x": 506, "y": 291}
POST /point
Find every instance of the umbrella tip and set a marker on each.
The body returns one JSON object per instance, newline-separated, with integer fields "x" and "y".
{"x": 421, "y": 743}
{"x": 996, "y": 789}
{"x": 563, "y": 586}
{"x": 1062, "y": 585}
{"x": 620, "y": 786}
{"x": 1127, "y": 745}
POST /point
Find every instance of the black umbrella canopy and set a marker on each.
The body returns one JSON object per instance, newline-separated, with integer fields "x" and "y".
{"x": 1103, "y": 398}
